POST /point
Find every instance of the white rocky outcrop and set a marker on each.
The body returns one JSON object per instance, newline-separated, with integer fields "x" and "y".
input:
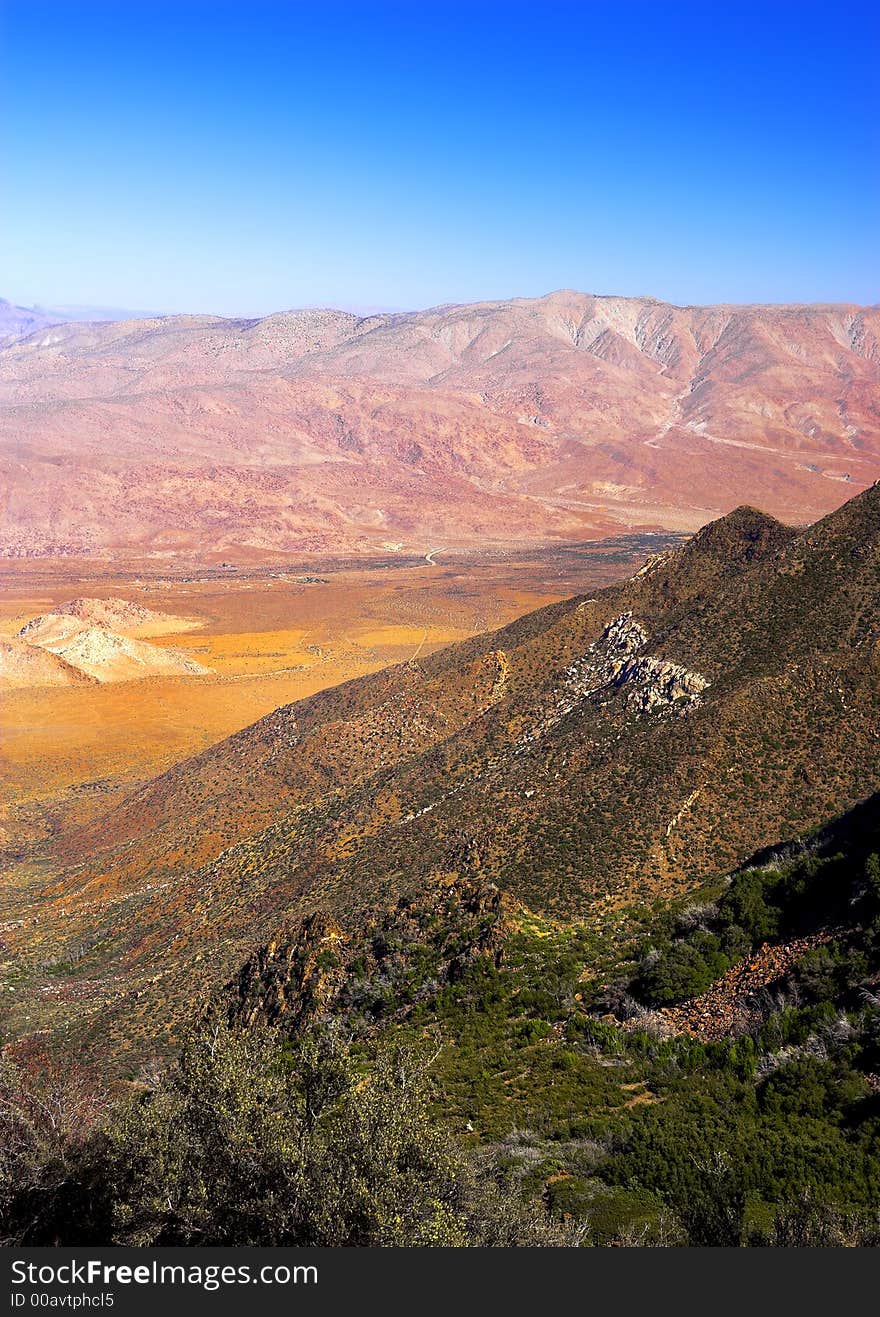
{"x": 653, "y": 683}
{"x": 615, "y": 662}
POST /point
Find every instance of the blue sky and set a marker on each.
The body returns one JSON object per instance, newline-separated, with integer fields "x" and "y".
{"x": 244, "y": 157}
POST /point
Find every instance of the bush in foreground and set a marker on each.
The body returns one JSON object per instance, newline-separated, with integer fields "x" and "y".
{"x": 247, "y": 1143}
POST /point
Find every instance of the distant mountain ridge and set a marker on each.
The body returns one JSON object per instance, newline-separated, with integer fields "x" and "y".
{"x": 18, "y": 321}
{"x": 21, "y": 321}
{"x": 517, "y": 422}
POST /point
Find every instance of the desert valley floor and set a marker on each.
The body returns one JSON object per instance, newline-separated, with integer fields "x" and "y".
{"x": 266, "y": 637}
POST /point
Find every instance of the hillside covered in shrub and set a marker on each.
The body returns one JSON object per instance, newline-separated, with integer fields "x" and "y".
{"x": 461, "y": 1070}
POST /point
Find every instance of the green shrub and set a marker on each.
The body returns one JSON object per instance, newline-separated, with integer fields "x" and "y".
{"x": 687, "y": 969}
{"x": 243, "y": 1143}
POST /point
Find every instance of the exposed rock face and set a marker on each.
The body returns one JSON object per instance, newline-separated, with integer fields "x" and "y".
{"x": 653, "y": 683}
{"x": 291, "y": 978}
{"x": 623, "y": 636}
{"x": 106, "y": 656}
{"x": 606, "y": 657}
{"x": 650, "y": 684}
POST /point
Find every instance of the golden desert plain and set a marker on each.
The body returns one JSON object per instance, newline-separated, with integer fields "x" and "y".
{"x": 262, "y": 637}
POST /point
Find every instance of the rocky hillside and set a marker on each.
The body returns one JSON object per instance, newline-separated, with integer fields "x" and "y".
{"x": 521, "y": 421}
{"x": 312, "y": 971}
{"x": 599, "y": 753}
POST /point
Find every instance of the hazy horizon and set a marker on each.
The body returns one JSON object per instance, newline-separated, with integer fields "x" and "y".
{"x": 88, "y": 313}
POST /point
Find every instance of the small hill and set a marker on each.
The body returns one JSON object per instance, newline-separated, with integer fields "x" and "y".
{"x": 97, "y": 638}
{"x": 106, "y": 656}
{"x": 23, "y": 665}
{"x": 125, "y": 617}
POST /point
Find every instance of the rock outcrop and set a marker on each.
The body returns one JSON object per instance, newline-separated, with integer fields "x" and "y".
{"x": 649, "y": 684}
{"x": 292, "y": 978}
{"x": 313, "y": 970}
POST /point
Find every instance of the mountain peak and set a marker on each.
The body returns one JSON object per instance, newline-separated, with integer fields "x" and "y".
{"x": 744, "y": 535}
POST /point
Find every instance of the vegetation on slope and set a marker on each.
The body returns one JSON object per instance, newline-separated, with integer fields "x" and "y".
{"x": 541, "y": 1111}
{"x": 829, "y": 883}
{"x": 246, "y": 1142}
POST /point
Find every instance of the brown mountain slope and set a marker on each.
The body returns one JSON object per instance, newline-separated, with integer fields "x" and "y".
{"x": 519, "y": 421}
{"x": 596, "y": 752}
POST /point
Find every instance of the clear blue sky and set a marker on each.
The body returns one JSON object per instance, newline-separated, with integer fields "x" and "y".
{"x": 244, "y": 157}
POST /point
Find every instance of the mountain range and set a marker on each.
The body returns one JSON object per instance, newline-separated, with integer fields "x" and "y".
{"x": 516, "y": 422}
{"x": 596, "y": 755}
